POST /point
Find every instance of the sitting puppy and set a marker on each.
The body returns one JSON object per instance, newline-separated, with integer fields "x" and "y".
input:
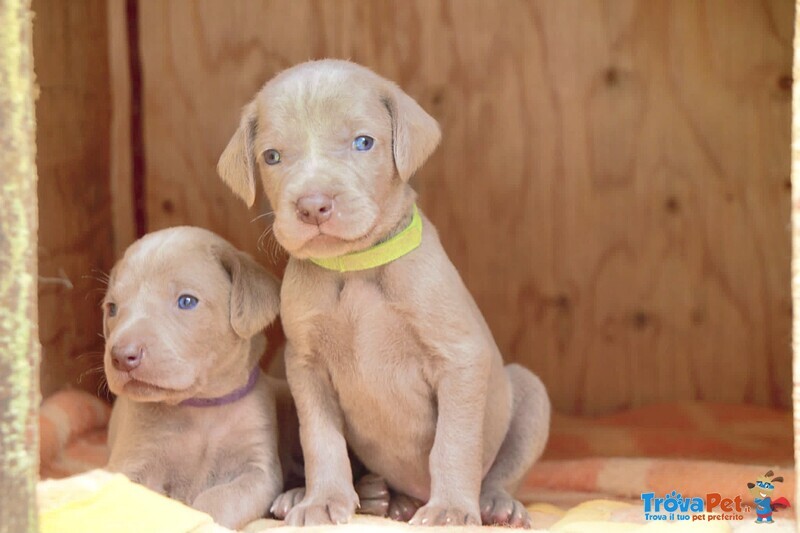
{"x": 387, "y": 351}
{"x": 195, "y": 419}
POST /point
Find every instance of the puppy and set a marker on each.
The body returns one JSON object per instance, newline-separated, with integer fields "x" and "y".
{"x": 194, "y": 419}
{"x": 387, "y": 351}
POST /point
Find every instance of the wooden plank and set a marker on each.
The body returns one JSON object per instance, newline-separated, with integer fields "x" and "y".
{"x": 19, "y": 345}
{"x": 612, "y": 183}
{"x": 121, "y": 171}
{"x": 795, "y": 178}
{"x": 76, "y": 241}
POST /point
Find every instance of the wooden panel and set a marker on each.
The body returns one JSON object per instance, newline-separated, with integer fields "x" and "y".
{"x": 121, "y": 148}
{"x": 796, "y": 245}
{"x": 19, "y": 345}
{"x": 73, "y": 114}
{"x": 612, "y": 183}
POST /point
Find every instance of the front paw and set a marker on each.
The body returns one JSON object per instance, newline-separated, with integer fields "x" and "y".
{"x": 287, "y": 501}
{"x": 335, "y": 509}
{"x": 500, "y": 509}
{"x": 444, "y": 515}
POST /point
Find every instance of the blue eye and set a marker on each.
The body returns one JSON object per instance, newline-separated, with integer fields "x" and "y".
{"x": 272, "y": 157}
{"x": 187, "y": 301}
{"x": 362, "y": 143}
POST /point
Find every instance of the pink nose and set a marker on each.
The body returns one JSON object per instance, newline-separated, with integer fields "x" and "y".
{"x": 127, "y": 357}
{"x": 315, "y": 208}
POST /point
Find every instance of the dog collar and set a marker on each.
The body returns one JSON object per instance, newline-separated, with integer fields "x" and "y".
{"x": 380, "y": 254}
{"x": 231, "y": 397}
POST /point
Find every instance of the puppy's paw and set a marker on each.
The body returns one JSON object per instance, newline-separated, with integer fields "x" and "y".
{"x": 286, "y": 501}
{"x": 440, "y": 515}
{"x": 373, "y": 493}
{"x": 402, "y": 507}
{"x": 500, "y": 509}
{"x": 336, "y": 509}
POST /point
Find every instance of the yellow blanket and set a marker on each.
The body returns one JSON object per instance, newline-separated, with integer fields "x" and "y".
{"x": 101, "y": 502}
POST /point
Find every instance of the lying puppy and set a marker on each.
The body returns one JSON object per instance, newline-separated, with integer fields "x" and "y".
{"x": 387, "y": 351}
{"x": 195, "y": 419}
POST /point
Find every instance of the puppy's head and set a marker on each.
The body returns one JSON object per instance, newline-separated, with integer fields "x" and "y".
{"x": 335, "y": 145}
{"x": 181, "y": 309}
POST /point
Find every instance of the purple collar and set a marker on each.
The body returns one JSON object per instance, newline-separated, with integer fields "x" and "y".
{"x": 231, "y": 397}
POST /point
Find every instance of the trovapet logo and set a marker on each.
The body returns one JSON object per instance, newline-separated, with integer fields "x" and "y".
{"x": 761, "y": 490}
{"x": 674, "y": 506}
{"x": 714, "y": 506}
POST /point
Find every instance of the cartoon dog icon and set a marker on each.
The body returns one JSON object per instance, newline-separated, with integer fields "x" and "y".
{"x": 762, "y": 491}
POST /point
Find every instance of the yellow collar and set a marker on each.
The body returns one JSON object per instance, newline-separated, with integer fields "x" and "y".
{"x": 380, "y": 254}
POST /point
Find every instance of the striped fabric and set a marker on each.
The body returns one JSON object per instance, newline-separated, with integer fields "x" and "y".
{"x": 693, "y": 448}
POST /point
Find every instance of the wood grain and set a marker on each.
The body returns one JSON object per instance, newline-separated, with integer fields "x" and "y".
{"x": 73, "y": 113}
{"x": 795, "y": 180}
{"x": 121, "y": 149}
{"x": 612, "y": 183}
{"x": 19, "y": 345}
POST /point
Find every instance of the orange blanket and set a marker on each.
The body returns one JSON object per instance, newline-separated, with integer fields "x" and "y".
{"x": 695, "y": 448}
{"x": 720, "y": 432}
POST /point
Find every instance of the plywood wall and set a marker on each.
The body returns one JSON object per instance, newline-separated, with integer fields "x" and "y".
{"x": 73, "y": 113}
{"x": 613, "y": 182}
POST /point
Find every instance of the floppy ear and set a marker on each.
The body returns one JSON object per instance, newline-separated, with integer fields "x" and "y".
{"x": 415, "y": 133}
{"x": 237, "y": 164}
{"x": 769, "y": 473}
{"x": 751, "y": 485}
{"x": 778, "y": 479}
{"x": 255, "y": 293}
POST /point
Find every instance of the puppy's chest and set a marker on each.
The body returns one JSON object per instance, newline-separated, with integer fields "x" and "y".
{"x": 362, "y": 325}
{"x": 369, "y": 345}
{"x": 212, "y": 447}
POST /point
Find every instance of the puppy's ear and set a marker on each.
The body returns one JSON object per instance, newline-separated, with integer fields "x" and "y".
{"x": 751, "y": 485}
{"x": 237, "y": 164}
{"x": 255, "y": 293}
{"x": 778, "y": 479}
{"x": 415, "y": 133}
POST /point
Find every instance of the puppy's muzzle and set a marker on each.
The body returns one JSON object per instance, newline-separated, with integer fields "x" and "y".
{"x": 315, "y": 208}
{"x": 127, "y": 357}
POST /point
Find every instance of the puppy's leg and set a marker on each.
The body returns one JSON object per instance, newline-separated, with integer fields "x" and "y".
{"x": 372, "y": 490}
{"x": 523, "y": 444}
{"x": 330, "y": 497}
{"x": 456, "y": 455}
{"x": 140, "y": 470}
{"x": 242, "y": 500}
